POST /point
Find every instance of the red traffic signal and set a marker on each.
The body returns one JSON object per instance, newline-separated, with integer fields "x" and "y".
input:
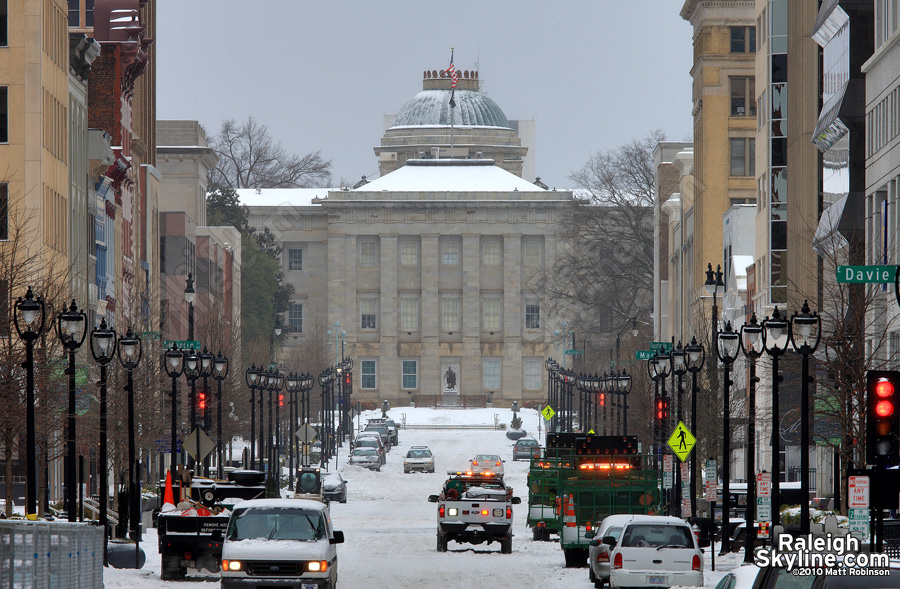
{"x": 661, "y": 408}
{"x": 602, "y": 399}
{"x": 882, "y": 417}
{"x": 201, "y": 400}
{"x": 281, "y": 400}
{"x": 347, "y": 379}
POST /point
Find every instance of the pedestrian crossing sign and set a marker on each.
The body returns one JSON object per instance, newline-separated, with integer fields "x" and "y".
{"x": 682, "y": 441}
{"x": 548, "y": 412}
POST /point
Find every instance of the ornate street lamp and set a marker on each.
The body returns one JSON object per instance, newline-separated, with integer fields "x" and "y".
{"x": 276, "y": 383}
{"x": 103, "y": 349}
{"x": 727, "y": 352}
{"x": 679, "y": 368}
{"x": 292, "y": 383}
{"x": 806, "y": 331}
{"x": 203, "y": 399}
{"x": 775, "y": 339}
{"x": 130, "y": 357}
{"x": 696, "y": 356}
{"x": 324, "y": 379}
{"x": 623, "y": 387}
{"x": 192, "y": 372}
{"x": 252, "y": 378}
{"x": 263, "y": 449}
{"x": 752, "y": 345}
{"x": 220, "y": 373}
{"x": 660, "y": 368}
{"x": 28, "y": 310}
{"x": 173, "y": 360}
{"x": 71, "y": 327}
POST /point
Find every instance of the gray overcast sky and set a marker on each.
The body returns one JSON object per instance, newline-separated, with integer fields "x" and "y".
{"x": 593, "y": 74}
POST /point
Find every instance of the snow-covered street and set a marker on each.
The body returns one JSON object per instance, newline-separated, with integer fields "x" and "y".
{"x": 390, "y": 527}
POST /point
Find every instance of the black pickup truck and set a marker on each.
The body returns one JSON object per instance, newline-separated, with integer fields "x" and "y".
{"x": 192, "y": 538}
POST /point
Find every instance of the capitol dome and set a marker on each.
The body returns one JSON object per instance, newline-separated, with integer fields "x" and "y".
{"x": 431, "y": 108}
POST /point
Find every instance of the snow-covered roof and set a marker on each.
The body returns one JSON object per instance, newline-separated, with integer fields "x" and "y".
{"x": 450, "y": 175}
{"x": 276, "y": 197}
{"x": 432, "y": 107}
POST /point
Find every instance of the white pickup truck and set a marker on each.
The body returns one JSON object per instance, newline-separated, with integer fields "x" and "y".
{"x": 474, "y": 508}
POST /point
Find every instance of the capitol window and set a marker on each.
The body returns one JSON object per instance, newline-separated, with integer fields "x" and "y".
{"x": 450, "y": 252}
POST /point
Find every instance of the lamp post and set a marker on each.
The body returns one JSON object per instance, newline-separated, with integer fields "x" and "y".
{"x": 549, "y": 364}
{"x": 346, "y": 423}
{"x": 28, "y": 310}
{"x": 292, "y": 383}
{"x": 276, "y": 433}
{"x": 189, "y": 296}
{"x": 623, "y": 387}
{"x": 661, "y": 367}
{"x": 206, "y": 371}
{"x": 252, "y": 378}
{"x": 805, "y": 342}
{"x": 69, "y": 323}
{"x": 775, "y": 336}
{"x": 192, "y": 372}
{"x": 752, "y": 346}
{"x": 306, "y": 385}
{"x": 103, "y": 349}
{"x": 174, "y": 363}
{"x": 727, "y": 353}
{"x": 263, "y": 387}
{"x": 220, "y": 373}
{"x": 276, "y": 383}
{"x": 324, "y": 379}
{"x": 696, "y": 356}
{"x": 130, "y": 357}
{"x": 679, "y": 368}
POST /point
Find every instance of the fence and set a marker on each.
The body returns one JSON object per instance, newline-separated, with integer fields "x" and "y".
{"x": 450, "y": 401}
{"x": 47, "y": 555}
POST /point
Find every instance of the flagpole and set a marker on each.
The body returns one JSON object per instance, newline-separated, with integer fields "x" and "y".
{"x": 452, "y": 102}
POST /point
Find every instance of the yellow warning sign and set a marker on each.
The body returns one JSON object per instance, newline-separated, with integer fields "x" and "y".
{"x": 682, "y": 441}
{"x": 548, "y": 412}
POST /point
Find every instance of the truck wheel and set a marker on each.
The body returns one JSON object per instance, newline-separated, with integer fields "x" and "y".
{"x": 575, "y": 557}
{"x": 536, "y": 534}
{"x": 441, "y": 543}
{"x": 506, "y": 546}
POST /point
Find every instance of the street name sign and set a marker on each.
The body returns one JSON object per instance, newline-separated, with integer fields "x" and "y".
{"x": 643, "y": 354}
{"x": 575, "y": 352}
{"x": 682, "y": 441}
{"x": 866, "y": 274}
{"x": 661, "y": 346}
{"x": 190, "y": 344}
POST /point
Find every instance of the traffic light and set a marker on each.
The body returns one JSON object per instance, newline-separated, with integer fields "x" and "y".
{"x": 661, "y": 409}
{"x": 281, "y": 400}
{"x": 348, "y": 379}
{"x": 201, "y": 401}
{"x": 882, "y": 417}
{"x": 602, "y": 399}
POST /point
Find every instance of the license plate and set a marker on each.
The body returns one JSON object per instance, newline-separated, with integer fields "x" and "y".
{"x": 309, "y": 586}
{"x": 568, "y": 519}
{"x": 191, "y": 564}
{"x": 657, "y": 580}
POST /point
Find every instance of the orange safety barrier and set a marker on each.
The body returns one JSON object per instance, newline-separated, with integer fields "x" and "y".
{"x": 569, "y": 517}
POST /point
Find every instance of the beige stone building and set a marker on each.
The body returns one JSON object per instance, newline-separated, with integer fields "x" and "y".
{"x": 427, "y": 275}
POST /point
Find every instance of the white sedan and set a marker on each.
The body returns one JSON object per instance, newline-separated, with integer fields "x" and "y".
{"x": 486, "y": 463}
{"x": 656, "y": 551}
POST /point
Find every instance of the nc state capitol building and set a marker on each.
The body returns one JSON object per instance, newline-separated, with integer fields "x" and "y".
{"x": 427, "y": 275}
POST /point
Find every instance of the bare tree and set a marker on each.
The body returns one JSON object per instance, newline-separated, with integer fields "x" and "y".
{"x": 249, "y": 157}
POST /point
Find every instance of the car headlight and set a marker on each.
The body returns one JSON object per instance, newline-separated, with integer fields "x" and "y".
{"x": 231, "y": 565}
{"x": 317, "y": 566}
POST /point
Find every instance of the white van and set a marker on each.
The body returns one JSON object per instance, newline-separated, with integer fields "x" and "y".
{"x": 280, "y": 543}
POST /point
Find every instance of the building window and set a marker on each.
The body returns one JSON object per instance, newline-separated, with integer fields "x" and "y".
{"x": 743, "y": 39}
{"x": 4, "y": 211}
{"x": 450, "y": 313}
{"x": 409, "y": 253}
{"x": 743, "y": 96}
{"x": 490, "y": 375}
{"x": 532, "y": 315}
{"x": 295, "y": 318}
{"x": 4, "y": 115}
{"x": 367, "y": 312}
{"x": 743, "y": 160}
{"x": 531, "y": 373}
{"x": 490, "y": 252}
{"x": 491, "y": 314}
{"x": 450, "y": 252}
{"x": 533, "y": 252}
{"x": 410, "y": 374}
{"x": 368, "y": 252}
{"x": 409, "y": 314}
{"x": 295, "y": 259}
{"x": 4, "y": 23}
{"x": 367, "y": 374}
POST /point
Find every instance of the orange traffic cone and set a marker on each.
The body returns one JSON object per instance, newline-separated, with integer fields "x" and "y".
{"x": 569, "y": 517}
{"x": 169, "y": 497}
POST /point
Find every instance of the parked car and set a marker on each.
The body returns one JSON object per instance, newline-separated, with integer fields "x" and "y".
{"x": 371, "y": 440}
{"x": 751, "y": 576}
{"x": 381, "y": 430}
{"x": 598, "y": 552}
{"x": 486, "y": 463}
{"x": 655, "y": 551}
{"x": 391, "y": 427}
{"x": 418, "y": 458}
{"x": 334, "y": 487}
{"x": 526, "y": 449}
{"x": 367, "y": 457}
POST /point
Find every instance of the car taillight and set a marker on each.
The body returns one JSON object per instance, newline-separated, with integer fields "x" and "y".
{"x": 695, "y": 563}
{"x": 484, "y": 512}
{"x": 498, "y": 464}
{"x": 617, "y": 561}
{"x": 509, "y": 513}
{"x": 441, "y": 511}
{"x": 474, "y": 463}
{"x": 603, "y": 557}
{"x": 587, "y": 527}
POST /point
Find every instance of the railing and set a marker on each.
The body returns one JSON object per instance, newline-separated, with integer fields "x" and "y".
{"x": 451, "y": 401}
{"x": 50, "y": 554}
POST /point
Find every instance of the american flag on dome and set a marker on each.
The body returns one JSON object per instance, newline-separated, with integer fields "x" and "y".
{"x": 451, "y": 71}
